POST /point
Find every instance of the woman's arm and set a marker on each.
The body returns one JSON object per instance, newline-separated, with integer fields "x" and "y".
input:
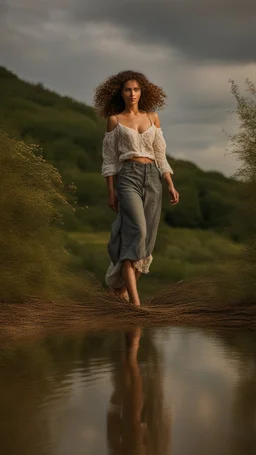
{"x": 110, "y": 165}
{"x": 160, "y": 154}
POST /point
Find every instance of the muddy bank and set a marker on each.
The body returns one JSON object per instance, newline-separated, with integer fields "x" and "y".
{"x": 101, "y": 310}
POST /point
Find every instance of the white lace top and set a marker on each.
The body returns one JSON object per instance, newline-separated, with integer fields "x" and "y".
{"x": 123, "y": 142}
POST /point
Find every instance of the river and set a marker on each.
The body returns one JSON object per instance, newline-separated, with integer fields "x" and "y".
{"x": 161, "y": 391}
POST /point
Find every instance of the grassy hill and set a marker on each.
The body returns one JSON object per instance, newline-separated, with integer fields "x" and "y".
{"x": 70, "y": 134}
{"x": 195, "y": 236}
{"x": 69, "y": 131}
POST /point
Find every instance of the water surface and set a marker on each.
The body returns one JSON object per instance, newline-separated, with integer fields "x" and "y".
{"x": 165, "y": 391}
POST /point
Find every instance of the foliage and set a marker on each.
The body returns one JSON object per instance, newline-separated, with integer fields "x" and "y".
{"x": 179, "y": 254}
{"x": 33, "y": 260}
{"x": 243, "y": 145}
{"x": 36, "y": 201}
{"x": 71, "y": 134}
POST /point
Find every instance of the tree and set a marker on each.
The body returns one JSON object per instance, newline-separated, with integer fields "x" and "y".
{"x": 243, "y": 146}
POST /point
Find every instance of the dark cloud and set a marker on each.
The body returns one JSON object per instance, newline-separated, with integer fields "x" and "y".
{"x": 189, "y": 47}
{"x": 220, "y": 30}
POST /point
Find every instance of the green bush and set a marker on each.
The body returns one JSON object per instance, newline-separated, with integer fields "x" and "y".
{"x": 71, "y": 135}
{"x": 187, "y": 213}
{"x": 243, "y": 146}
{"x": 33, "y": 259}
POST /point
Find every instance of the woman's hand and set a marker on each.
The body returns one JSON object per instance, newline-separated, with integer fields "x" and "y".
{"x": 113, "y": 201}
{"x": 174, "y": 195}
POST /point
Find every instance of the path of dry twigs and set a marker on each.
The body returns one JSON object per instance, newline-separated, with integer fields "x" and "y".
{"x": 101, "y": 309}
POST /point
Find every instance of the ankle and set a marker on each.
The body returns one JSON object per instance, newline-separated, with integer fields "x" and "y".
{"x": 135, "y": 302}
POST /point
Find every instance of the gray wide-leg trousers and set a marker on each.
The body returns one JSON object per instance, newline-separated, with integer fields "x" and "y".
{"x": 134, "y": 231}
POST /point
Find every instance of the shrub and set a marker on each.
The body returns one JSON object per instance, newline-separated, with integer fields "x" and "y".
{"x": 33, "y": 260}
{"x": 243, "y": 146}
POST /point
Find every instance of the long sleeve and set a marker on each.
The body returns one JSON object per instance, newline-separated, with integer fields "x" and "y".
{"x": 110, "y": 164}
{"x": 159, "y": 146}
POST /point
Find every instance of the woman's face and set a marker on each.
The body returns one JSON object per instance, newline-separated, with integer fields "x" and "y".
{"x": 131, "y": 92}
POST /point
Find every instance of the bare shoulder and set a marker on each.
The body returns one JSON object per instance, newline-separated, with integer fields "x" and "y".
{"x": 155, "y": 118}
{"x": 111, "y": 123}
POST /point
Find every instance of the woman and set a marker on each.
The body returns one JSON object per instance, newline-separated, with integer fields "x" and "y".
{"x": 134, "y": 163}
{"x": 138, "y": 418}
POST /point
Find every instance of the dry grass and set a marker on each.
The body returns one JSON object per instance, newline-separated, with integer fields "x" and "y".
{"x": 181, "y": 304}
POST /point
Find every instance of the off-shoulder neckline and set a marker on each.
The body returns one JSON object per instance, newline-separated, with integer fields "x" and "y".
{"x": 132, "y": 129}
{"x": 140, "y": 134}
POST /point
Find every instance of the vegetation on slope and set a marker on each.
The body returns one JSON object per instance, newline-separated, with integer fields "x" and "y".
{"x": 70, "y": 134}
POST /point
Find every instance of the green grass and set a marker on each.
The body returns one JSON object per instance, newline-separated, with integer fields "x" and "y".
{"x": 179, "y": 254}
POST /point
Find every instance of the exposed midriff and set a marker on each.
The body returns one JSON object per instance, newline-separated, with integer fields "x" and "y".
{"x": 140, "y": 159}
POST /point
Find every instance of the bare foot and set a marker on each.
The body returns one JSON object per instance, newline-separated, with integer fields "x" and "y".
{"x": 136, "y": 303}
{"x": 122, "y": 293}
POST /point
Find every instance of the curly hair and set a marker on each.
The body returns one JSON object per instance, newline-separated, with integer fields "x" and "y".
{"x": 108, "y": 99}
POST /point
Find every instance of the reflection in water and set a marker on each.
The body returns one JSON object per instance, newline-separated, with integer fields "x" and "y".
{"x": 23, "y": 431}
{"x": 244, "y": 412}
{"x": 90, "y": 394}
{"x": 137, "y": 422}
{"x": 243, "y": 345}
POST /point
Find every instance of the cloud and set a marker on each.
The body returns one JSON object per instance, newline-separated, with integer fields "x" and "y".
{"x": 189, "y": 47}
{"x": 217, "y": 30}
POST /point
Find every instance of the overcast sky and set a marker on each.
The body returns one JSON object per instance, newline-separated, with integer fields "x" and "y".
{"x": 189, "y": 47}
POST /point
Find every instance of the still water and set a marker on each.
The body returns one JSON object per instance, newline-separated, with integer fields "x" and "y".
{"x": 161, "y": 391}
